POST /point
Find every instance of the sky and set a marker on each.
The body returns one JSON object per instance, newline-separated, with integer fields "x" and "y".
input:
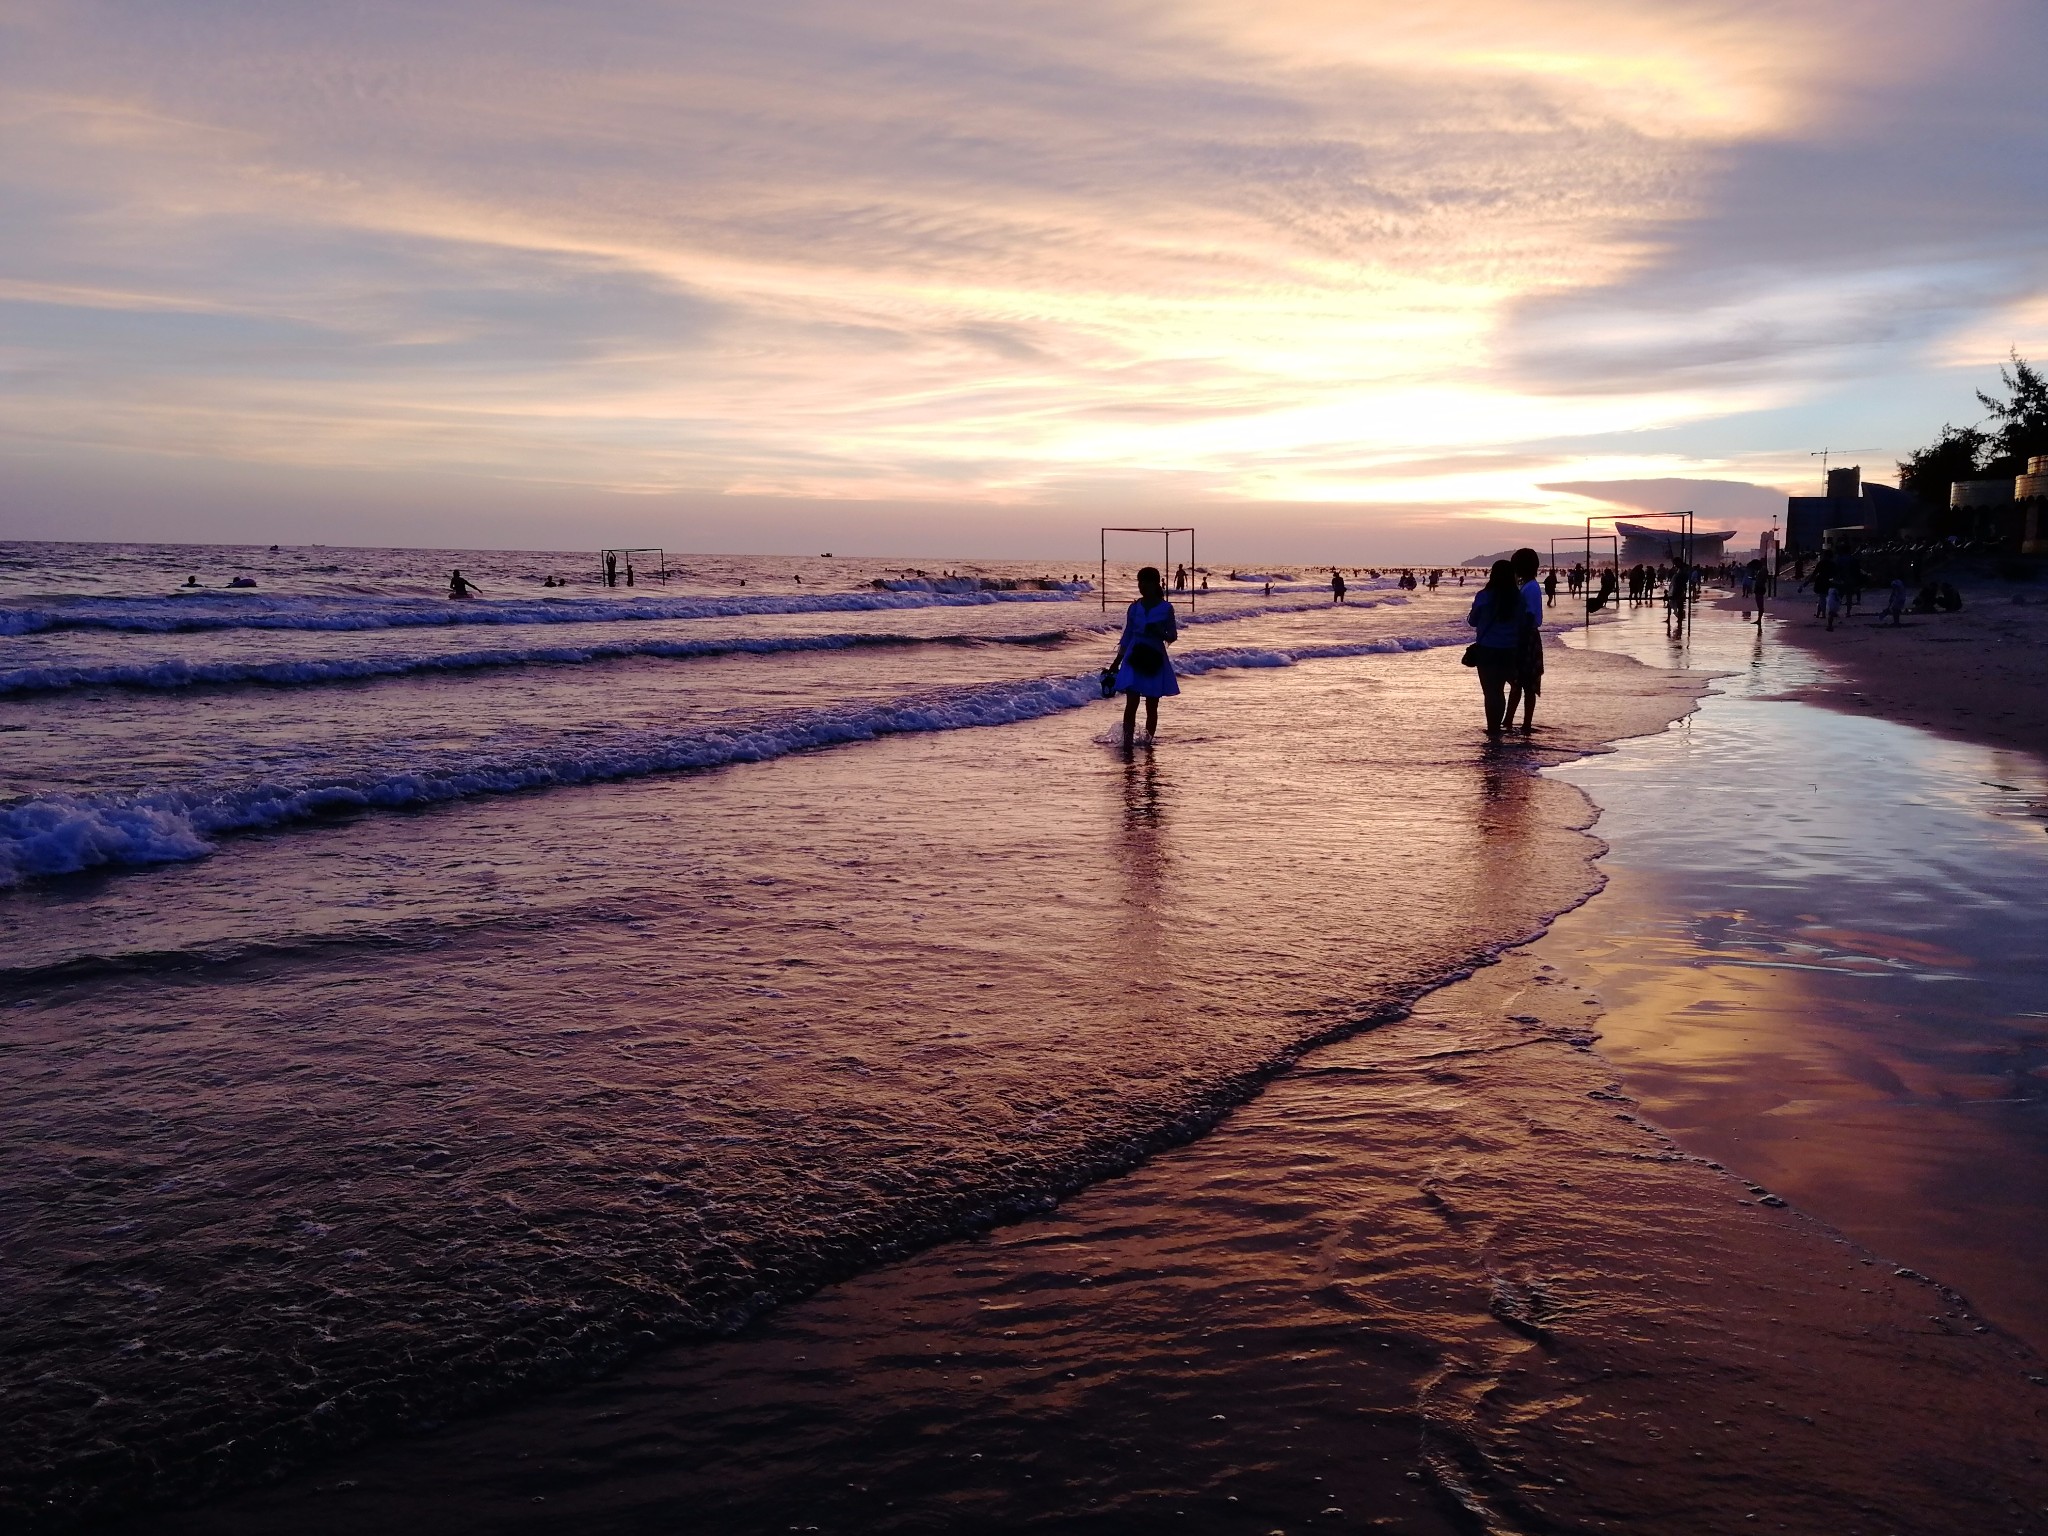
{"x": 1329, "y": 281}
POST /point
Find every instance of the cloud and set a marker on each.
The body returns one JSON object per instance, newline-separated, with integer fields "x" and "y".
{"x": 1306, "y": 253}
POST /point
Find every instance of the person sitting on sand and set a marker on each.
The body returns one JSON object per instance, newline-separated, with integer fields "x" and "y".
{"x": 1499, "y": 613}
{"x": 1143, "y": 669}
{"x": 460, "y": 586}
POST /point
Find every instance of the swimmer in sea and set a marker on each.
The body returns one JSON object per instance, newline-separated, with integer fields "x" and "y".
{"x": 460, "y": 585}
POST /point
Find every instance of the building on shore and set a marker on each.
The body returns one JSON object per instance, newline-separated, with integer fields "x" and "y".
{"x": 1664, "y": 544}
{"x": 1850, "y": 510}
{"x": 2007, "y": 512}
{"x": 2003, "y": 510}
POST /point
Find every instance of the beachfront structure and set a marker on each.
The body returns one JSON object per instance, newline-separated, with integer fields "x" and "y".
{"x": 1643, "y": 544}
{"x": 2007, "y": 512}
{"x": 2030, "y": 495}
{"x": 1877, "y": 511}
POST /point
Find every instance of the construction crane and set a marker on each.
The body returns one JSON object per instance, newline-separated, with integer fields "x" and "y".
{"x": 1822, "y": 455}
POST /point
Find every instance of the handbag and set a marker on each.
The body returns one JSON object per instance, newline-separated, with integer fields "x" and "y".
{"x": 1471, "y": 656}
{"x": 1108, "y": 682}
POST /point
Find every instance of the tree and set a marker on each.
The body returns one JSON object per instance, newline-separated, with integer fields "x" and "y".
{"x": 1956, "y": 455}
{"x": 2022, "y": 430}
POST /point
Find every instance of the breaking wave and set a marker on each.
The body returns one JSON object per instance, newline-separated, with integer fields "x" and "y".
{"x": 65, "y": 834}
{"x": 176, "y": 672}
{"x": 172, "y": 672}
{"x": 170, "y": 615}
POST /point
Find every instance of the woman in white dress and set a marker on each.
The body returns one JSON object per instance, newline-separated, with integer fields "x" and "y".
{"x": 1143, "y": 669}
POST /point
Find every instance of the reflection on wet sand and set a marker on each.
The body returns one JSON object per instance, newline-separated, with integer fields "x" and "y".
{"x": 1819, "y": 959}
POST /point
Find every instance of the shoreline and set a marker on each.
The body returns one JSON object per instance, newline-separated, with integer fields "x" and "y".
{"x": 1978, "y": 675}
{"x": 1472, "y": 1284}
{"x": 1419, "y": 700}
{"x": 1440, "y": 1273}
{"x": 1416, "y": 1331}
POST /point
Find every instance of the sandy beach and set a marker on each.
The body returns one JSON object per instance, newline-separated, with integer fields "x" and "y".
{"x": 1980, "y": 674}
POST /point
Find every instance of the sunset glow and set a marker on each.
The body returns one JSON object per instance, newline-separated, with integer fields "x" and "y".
{"x": 1029, "y": 256}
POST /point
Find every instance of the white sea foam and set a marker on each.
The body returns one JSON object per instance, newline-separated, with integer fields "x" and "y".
{"x": 64, "y": 834}
{"x": 212, "y": 610}
{"x": 172, "y": 672}
{"x": 176, "y": 672}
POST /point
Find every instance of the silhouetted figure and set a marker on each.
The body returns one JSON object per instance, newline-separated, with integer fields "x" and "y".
{"x": 1180, "y": 578}
{"x": 460, "y": 586}
{"x": 611, "y": 569}
{"x": 1142, "y": 667}
{"x": 1947, "y": 599}
{"x": 1336, "y": 586}
{"x": 1498, "y": 614}
{"x": 1823, "y": 584}
{"x": 1549, "y": 587}
{"x": 1528, "y": 683}
{"x": 1895, "y": 607}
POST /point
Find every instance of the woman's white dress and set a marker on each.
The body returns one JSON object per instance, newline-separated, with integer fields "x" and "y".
{"x": 1148, "y": 624}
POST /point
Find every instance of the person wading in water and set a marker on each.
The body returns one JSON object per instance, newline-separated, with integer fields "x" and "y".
{"x": 1142, "y": 668}
{"x": 1498, "y": 614}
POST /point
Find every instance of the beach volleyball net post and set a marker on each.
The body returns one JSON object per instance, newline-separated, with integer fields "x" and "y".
{"x": 615, "y": 567}
{"x": 1166, "y": 537}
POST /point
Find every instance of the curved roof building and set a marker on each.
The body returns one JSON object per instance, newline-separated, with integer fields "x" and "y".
{"x": 1664, "y": 541}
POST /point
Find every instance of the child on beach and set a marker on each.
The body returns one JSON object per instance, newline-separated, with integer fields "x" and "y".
{"x": 1895, "y": 610}
{"x": 1143, "y": 669}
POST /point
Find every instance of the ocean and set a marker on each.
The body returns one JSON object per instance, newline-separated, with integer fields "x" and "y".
{"x": 753, "y": 1052}
{"x": 413, "y": 1002}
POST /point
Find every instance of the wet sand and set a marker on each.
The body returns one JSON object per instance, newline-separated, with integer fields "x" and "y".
{"x": 1442, "y": 1276}
{"x": 1819, "y": 958}
{"x": 1980, "y": 674}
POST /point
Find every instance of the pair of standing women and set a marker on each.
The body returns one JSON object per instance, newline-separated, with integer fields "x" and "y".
{"x": 1142, "y": 669}
{"x": 1508, "y": 648}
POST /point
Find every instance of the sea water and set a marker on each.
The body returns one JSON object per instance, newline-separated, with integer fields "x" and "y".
{"x": 407, "y": 1002}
